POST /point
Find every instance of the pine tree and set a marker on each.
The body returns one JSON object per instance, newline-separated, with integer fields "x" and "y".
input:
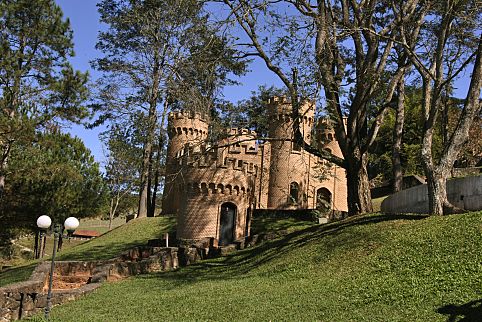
{"x": 37, "y": 83}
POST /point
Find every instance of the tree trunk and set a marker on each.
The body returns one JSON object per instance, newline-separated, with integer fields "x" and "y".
{"x": 437, "y": 193}
{"x": 2, "y": 185}
{"x": 155, "y": 186}
{"x": 157, "y": 174}
{"x": 149, "y": 187}
{"x": 437, "y": 175}
{"x": 397, "y": 137}
{"x": 144, "y": 194}
{"x": 5, "y": 153}
{"x": 152, "y": 210}
{"x": 111, "y": 212}
{"x": 359, "y": 199}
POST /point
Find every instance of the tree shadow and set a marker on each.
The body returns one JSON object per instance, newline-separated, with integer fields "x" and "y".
{"x": 240, "y": 264}
{"x": 468, "y": 312}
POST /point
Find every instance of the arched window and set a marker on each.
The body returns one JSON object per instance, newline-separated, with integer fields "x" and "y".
{"x": 294, "y": 192}
{"x": 204, "y": 188}
{"x": 323, "y": 200}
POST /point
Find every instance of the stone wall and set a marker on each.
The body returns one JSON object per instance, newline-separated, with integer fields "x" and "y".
{"x": 465, "y": 193}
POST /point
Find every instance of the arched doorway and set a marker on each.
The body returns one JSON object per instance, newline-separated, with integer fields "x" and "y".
{"x": 323, "y": 200}
{"x": 227, "y": 223}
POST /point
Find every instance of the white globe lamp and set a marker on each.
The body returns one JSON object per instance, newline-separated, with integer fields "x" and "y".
{"x": 71, "y": 224}
{"x": 44, "y": 222}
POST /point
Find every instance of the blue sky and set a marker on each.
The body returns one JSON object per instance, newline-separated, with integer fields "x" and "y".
{"x": 84, "y": 20}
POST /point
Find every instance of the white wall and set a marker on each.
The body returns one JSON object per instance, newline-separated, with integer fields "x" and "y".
{"x": 465, "y": 193}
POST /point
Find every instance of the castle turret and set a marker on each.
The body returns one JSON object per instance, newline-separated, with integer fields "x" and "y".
{"x": 326, "y": 136}
{"x": 215, "y": 198}
{"x": 282, "y": 175}
{"x": 187, "y": 131}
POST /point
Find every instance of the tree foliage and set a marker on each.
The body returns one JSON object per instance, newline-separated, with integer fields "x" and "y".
{"x": 56, "y": 176}
{"x": 251, "y": 113}
{"x": 37, "y": 83}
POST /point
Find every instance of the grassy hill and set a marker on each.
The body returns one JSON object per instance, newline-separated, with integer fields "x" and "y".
{"x": 109, "y": 245}
{"x": 371, "y": 268}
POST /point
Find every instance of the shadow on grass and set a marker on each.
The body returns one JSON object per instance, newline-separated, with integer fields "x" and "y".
{"x": 469, "y": 312}
{"x": 241, "y": 263}
{"x": 16, "y": 274}
{"x": 268, "y": 224}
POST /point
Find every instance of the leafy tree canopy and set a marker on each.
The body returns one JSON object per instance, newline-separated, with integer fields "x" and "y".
{"x": 55, "y": 176}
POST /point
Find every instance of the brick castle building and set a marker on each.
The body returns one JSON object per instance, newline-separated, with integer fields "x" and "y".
{"x": 214, "y": 188}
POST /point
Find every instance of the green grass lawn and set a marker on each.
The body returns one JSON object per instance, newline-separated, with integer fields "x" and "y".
{"x": 27, "y": 241}
{"x": 377, "y": 203}
{"x": 268, "y": 224}
{"x": 369, "y": 268}
{"x": 17, "y": 273}
{"x": 109, "y": 245}
{"x": 99, "y": 225}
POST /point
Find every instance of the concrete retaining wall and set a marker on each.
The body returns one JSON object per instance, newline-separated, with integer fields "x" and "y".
{"x": 465, "y": 193}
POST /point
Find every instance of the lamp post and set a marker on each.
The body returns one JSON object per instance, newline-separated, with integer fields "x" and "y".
{"x": 43, "y": 222}
{"x": 70, "y": 224}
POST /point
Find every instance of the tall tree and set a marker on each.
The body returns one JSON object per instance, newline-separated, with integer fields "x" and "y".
{"x": 37, "y": 83}
{"x": 346, "y": 45}
{"x": 149, "y": 48}
{"x": 121, "y": 168}
{"x": 450, "y": 31}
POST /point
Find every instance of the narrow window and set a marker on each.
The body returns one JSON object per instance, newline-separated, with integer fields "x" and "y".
{"x": 294, "y": 192}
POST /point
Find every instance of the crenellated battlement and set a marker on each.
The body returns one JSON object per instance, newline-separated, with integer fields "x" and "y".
{"x": 280, "y": 108}
{"x": 326, "y": 125}
{"x": 203, "y": 156}
{"x": 192, "y": 126}
{"x": 177, "y": 115}
{"x": 215, "y": 188}
{"x": 234, "y": 131}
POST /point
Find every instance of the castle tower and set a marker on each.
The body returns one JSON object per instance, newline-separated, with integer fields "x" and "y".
{"x": 218, "y": 189}
{"x": 329, "y": 193}
{"x": 215, "y": 199}
{"x": 286, "y": 157}
{"x": 187, "y": 133}
{"x": 326, "y": 136}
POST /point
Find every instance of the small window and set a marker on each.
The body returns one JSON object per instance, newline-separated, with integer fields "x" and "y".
{"x": 240, "y": 163}
{"x": 294, "y": 192}
{"x": 296, "y": 146}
